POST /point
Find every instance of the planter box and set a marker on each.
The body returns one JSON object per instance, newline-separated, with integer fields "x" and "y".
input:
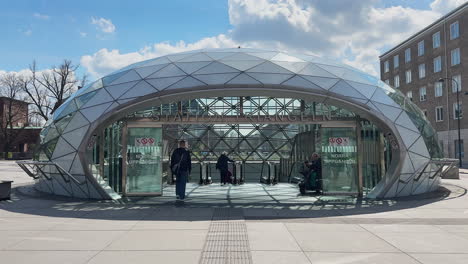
{"x": 5, "y": 190}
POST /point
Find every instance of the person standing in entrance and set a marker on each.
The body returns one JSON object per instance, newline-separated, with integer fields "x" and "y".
{"x": 222, "y": 166}
{"x": 181, "y": 166}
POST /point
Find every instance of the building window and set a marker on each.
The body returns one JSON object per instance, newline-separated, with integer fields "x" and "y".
{"x": 387, "y": 82}
{"x": 422, "y": 94}
{"x": 438, "y": 64}
{"x": 421, "y": 48}
{"x": 462, "y": 147}
{"x": 457, "y": 111}
{"x": 408, "y": 55}
{"x": 454, "y": 30}
{"x": 386, "y": 66}
{"x": 456, "y": 84}
{"x": 455, "y": 56}
{"x": 436, "y": 40}
{"x": 438, "y": 89}
{"x": 422, "y": 71}
{"x": 439, "y": 113}
{"x": 408, "y": 76}
{"x": 396, "y": 81}
{"x": 410, "y": 95}
{"x": 396, "y": 61}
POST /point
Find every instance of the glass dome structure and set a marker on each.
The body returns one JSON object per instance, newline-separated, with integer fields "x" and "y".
{"x": 68, "y": 136}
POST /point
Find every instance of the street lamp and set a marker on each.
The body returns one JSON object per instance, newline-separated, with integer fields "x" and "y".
{"x": 442, "y": 80}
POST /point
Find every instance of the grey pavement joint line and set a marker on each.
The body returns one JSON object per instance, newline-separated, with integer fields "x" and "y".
{"x": 227, "y": 239}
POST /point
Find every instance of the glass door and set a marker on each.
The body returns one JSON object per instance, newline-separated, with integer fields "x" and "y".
{"x": 339, "y": 160}
{"x": 143, "y": 170}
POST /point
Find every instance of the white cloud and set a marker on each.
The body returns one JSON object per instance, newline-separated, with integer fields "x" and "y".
{"x": 104, "y": 25}
{"x": 41, "y": 16}
{"x": 83, "y": 34}
{"x": 355, "y": 32}
{"x": 27, "y": 32}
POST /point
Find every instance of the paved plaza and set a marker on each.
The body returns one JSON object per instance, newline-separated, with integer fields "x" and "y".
{"x": 252, "y": 223}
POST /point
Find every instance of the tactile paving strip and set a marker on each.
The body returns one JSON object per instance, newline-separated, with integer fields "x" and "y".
{"x": 227, "y": 241}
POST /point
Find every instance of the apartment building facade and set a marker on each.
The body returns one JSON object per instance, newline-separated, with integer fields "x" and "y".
{"x": 416, "y": 67}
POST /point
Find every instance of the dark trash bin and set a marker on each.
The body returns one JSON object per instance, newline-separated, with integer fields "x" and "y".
{"x": 5, "y": 190}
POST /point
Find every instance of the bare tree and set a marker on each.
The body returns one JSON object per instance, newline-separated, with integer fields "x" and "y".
{"x": 13, "y": 114}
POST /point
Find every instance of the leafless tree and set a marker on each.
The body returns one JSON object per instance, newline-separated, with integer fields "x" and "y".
{"x": 13, "y": 115}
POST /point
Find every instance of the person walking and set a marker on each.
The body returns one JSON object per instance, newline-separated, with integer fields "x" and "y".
{"x": 222, "y": 166}
{"x": 181, "y": 166}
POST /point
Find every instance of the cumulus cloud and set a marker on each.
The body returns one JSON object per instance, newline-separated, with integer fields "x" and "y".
{"x": 355, "y": 32}
{"x": 41, "y": 16}
{"x": 102, "y": 24}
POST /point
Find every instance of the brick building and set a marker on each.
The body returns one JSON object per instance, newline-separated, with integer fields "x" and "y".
{"x": 417, "y": 65}
{"x": 22, "y": 136}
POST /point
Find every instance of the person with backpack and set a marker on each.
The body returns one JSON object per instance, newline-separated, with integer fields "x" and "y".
{"x": 181, "y": 166}
{"x": 222, "y": 166}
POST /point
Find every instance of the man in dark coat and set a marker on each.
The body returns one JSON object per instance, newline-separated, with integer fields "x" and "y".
{"x": 222, "y": 166}
{"x": 181, "y": 166}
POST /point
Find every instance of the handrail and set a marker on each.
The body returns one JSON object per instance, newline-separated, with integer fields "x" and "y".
{"x": 441, "y": 162}
{"x": 39, "y": 164}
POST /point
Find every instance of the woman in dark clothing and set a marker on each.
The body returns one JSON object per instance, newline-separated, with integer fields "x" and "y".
{"x": 222, "y": 166}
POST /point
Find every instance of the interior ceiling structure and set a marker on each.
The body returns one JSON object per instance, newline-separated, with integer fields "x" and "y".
{"x": 219, "y": 72}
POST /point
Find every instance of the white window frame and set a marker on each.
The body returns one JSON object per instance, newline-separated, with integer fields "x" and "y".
{"x": 439, "y": 113}
{"x": 422, "y": 71}
{"x": 396, "y": 81}
{"x": 407, "y": 55}
{"x": 438, "y": 64}
{"x": 408, "y": 76}
{"x": 436, "y": 40}
{"x": 386, "y": 66}
{"x": 409, "y": 94}
{"x": 454, "y": 85}
{"x": 421, "y": 48}
{"x": 455, "y": 57}
{"x": 396, "y": 61}
{"x": 454, "y": 111}
{"x": 422, "y": 95}
{"x": 454, "y": 30}
{"x": 438, "y": 89}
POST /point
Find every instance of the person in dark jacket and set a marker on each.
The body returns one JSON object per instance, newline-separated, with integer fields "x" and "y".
{"x": 316, "y": 168}
{"x": 222, "y": 166}
{"x": 181, "y": 166}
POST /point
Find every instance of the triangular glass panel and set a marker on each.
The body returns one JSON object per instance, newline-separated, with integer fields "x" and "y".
{"x": 190, "y": 67}
{"x": 186, "y": 83}
{"x": 76, "y": 136}
{"x": 110, "y": 78}
{"x": 177, "y": 57}
{"x": 62, "y": 123}
{"x": 141, "y": 89}
{"x": 147, "y": 71}
{"x": 216, "y": 67}
{"x": 404, "y": 189}
{"x": 212, "y": 79}
{"x": 241, "y": 57}
{"x": 160, "y": 60}
{"x": 61, "y": 187}
{"x": 65, "y": 161}
{"x": 365, "y": 89}
{"x": 285, "y": 57}
{"x": 323, "y": 82}
{"x": 128, "y": 77}
{"x": 169, "y": 71}
{"x": 93, "y": 113}
{"x": 70, "y": 107}
{"x": 77, "y": 121}
{"x": 392, "y": 191}
{"x": 264, "y": 55}
{"x": 422, "y": 185}
{"x": 407, "y": 167}
{"x": 196, "y": 57}
{"x": 314, "y": 70}
{"x": 408, "y": 136}
{"x": 292, "y": 66}
{"x": 420, "y": 147}
{"x": 267, "y": 78}
{"x": 404, "y": 121}
{"x": 349, "y": 74}
{"x": 117, "y": 90}
{"x": 219, "y": 55}
{"x": 381, "y": 97}
{"x": 163, "y": 83}
{"x": 62, "y": 149}
{"x": 52, "y": 133}
{"x": 76, "y": 168}
{"x": 112, "y": 106}
{"x": 243, "y": 79}
{"x": 49, "y": 148}
{"x": 343, "y": 88}
{"x": 299, "y": 82}
{"x": 102, "y": 96}
{"x": 391, "y": 113}
{"x": 242, "y": 65}
{"x": 269, "y": 67}
{"x": 81, "y": 100}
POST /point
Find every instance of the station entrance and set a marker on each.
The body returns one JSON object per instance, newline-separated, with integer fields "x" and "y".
{"x": 270, "y": 139}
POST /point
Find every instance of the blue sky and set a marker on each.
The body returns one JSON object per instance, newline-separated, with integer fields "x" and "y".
{"x": 105, "y": 35}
